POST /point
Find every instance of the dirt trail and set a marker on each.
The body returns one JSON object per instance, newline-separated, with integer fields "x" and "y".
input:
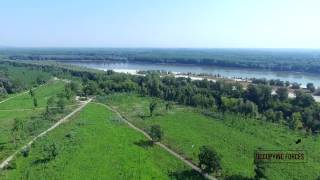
{"x": 6, "y": 161}
{"x": 194, "y": 167}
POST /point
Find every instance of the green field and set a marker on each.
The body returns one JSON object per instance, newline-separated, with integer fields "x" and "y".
{"x": 25, "y": 77}
{"x": 234, "y": 138}
{"x": 95, "y": 144}
{"x": 21, "y": 107}
{"x": 25, "y": 101}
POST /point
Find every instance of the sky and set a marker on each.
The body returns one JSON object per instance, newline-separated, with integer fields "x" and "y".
{"x": 161, "y": 23}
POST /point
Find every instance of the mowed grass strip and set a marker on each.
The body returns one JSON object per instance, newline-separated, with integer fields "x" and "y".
{"x": 235, "y": 138}
{"x": 96, "y": 144}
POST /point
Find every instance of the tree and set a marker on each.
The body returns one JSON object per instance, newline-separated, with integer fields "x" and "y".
{"x": 75, "y": 87}
{"x": 311, "y": 87}
{"x": 156, "y": 133}
{"x": 50, "y": 151}
{"x": 152, "y": 107}
{"x": 259, "y": 170}
{"x": 287, "y": 83}
{"x": 16, "y": 129}
{"x": 68, "y": 91}
{"x": 279, "y": 116}
{"x": 248, "y": 108}
{"x": 295, "y": 86}
{"x": 282, "y": 93}
{"x": 61, "y": 103}
{"x": 91, "y": 88}
{"x": 296, "y": 121}
{"x": 229, "y": 104}
{"x": 209, "y": 161}
{"x": 169, "y": 105}
{"x": 270, "y": 115}
{"x": 35, "y": 102}
{"x": 303, "y": 100}
{"x": 31, "y": 92}
{"x": 50, "y": 105}
{"x": 260, "y": 95}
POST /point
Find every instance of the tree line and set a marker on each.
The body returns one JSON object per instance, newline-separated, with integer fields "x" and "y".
{"x": 255, "y": 100}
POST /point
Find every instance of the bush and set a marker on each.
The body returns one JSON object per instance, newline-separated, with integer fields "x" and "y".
{"x": 25, "y": 152}
{"x": 156, "y": 133}
{"x": 209, "y": 161}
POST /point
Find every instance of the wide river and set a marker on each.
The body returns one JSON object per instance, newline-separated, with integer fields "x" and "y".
{"x": 302, "y": 78}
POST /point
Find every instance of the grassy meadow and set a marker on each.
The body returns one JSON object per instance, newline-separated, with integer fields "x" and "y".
{"x": 95, "y": 144}
{"x": 26, "y": 77}
{"x": 20, "y": 106}
{"x": 234, "y": 138}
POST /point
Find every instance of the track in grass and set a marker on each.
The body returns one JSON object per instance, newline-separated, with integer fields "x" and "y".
{"x": 235, "y": 138}
{"x": 96, "y": 144}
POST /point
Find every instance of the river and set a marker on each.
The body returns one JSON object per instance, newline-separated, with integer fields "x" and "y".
{"x": 301, "y": 78}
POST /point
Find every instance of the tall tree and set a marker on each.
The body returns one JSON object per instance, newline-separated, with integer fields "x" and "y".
{"x": 282, "y": 93}
{"x": 311, "y": 87}
{"x": 35, "y": 102}
{"x": 156, "y": 133}
{"x": 152, "y": 106}
{"x": 296, "y": 120}
{"x": 16, "y": 130}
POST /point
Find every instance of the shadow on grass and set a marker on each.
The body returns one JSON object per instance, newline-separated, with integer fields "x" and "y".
{"x": 144, "y": 143}
{"x": 186, "y": 175}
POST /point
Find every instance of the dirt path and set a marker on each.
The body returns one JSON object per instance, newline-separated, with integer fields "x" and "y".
{"x": 6, "y": 161}
{"x": 194, "y": 167}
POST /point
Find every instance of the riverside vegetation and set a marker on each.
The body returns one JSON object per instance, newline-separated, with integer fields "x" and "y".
{"x": 223, "y": 115}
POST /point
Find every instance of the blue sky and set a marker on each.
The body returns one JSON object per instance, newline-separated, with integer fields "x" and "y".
{"x": 161, "y": 23}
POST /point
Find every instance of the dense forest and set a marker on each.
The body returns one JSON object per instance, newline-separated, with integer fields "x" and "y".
{"x": 296, "y": 60}
{"x": 212, "y": 98}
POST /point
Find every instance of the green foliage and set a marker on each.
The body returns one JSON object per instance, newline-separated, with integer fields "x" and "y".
{"x": 156, "y": 133}
{"x": 169, "y": 105}
{"x": 16, "y": 130}
{"x": 92, "y": 145}
{"x": 35, "y": 102}
{"x": 259, "y": 170}
{"x": 31, "y": 92}
{"x": 18, "y": 78}
{"x": 235, "y": 137}
{"x": 296, "y": 121}
{"x": 209, "y": 161}
{"x": 311, "y": 87}
{"x": 91, "y": 88}
{"x": 22, "y": 120}
{"x": 279, "y": 60}
{"x": 152, "y": 106}
{"x": 282, "y": 93}
{"x": 61, "y": 103}
{"x": 303, "y": 100}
